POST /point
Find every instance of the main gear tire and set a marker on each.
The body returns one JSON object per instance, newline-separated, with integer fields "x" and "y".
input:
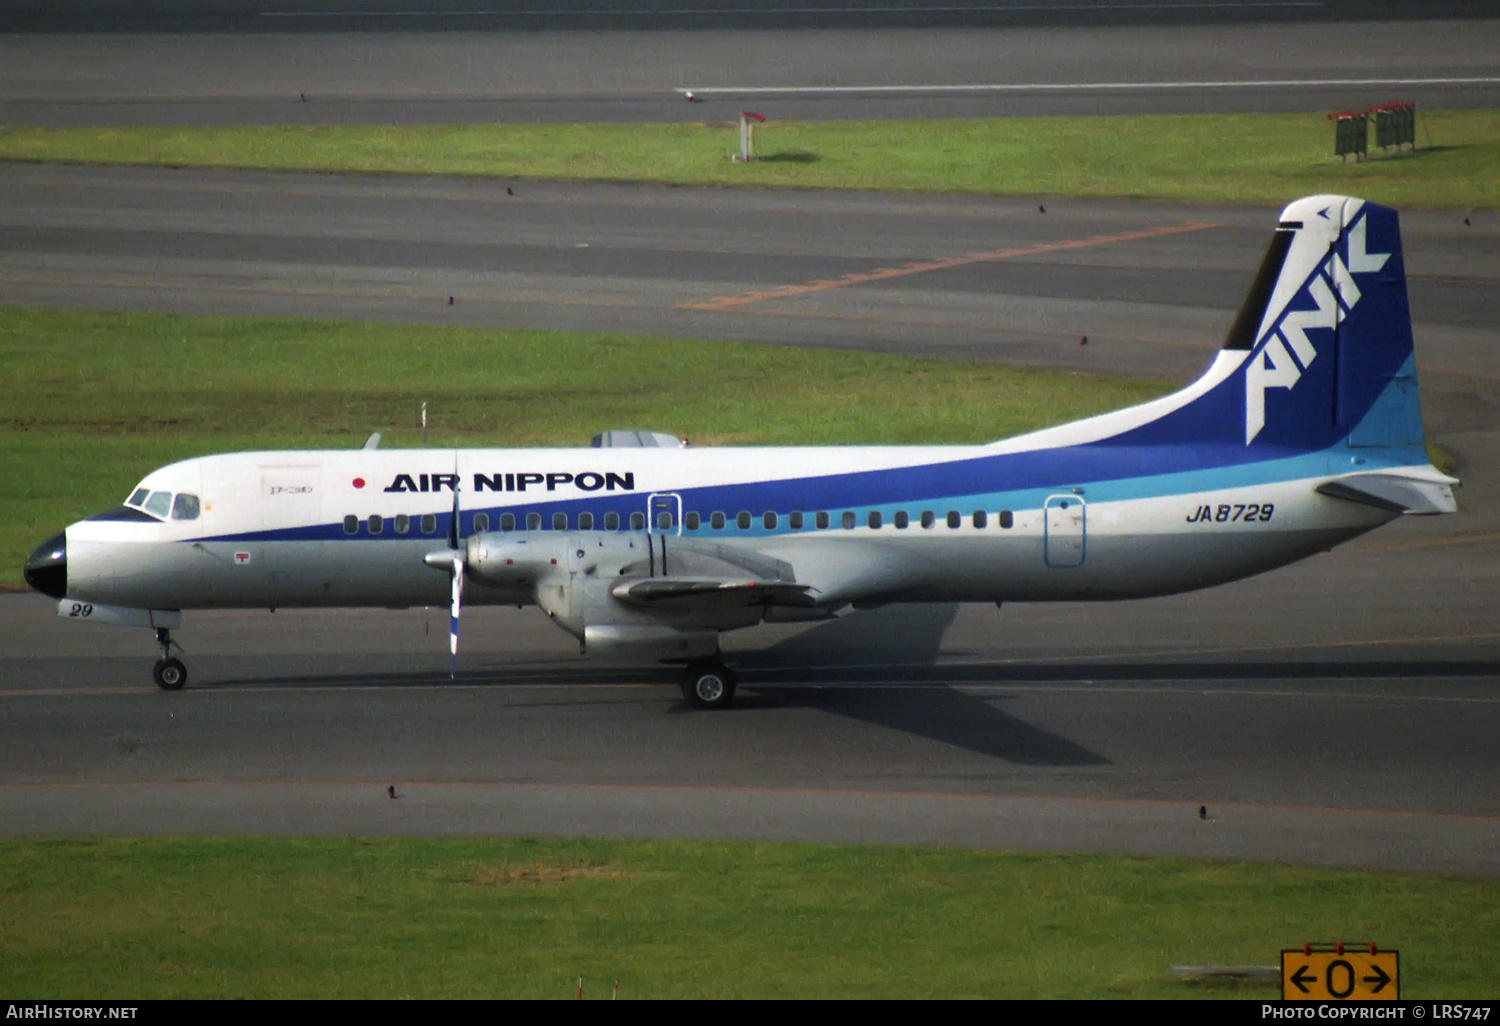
{"x": 708, "y": 685}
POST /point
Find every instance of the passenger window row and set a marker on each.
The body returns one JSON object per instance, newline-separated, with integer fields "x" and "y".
{"x": 691, "y": 521}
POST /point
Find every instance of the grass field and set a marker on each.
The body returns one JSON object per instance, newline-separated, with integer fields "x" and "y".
{"x": 93, "y": 401}
{"x": 1242, "y": 158}
{"x": 276, "y": 917}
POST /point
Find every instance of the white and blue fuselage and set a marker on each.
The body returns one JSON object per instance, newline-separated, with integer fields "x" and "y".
{"x": 1303, "y": 433}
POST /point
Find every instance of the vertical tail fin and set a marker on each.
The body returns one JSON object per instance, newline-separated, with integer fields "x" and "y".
{"x": 1320, "y": 356}
{"x": 1331, "y": 359}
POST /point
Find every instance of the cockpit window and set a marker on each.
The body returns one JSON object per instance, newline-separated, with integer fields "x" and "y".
{"x": 138, "y": 497}
{"x": 185, "y": 507}
{"x": 158, "y": 504}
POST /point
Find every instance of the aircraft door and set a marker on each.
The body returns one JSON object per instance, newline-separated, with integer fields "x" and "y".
{"x": 1066, "y": 541}
{"x": 289, "y": 497}
{"x": 664, "y": 513}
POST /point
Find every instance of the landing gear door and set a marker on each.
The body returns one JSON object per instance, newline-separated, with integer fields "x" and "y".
{"x": 1066, "y": 531}
{"x": 664, "y": 513}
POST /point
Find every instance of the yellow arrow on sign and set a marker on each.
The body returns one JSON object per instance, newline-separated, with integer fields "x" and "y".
{"x": 1347, "y": 975}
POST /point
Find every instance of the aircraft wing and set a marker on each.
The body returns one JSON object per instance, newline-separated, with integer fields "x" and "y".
{"x": 1415, "y": 495}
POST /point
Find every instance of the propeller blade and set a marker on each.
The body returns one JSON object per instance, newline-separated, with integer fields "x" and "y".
{"x": 458, "y": 600}
{"x": 455, "y": 536}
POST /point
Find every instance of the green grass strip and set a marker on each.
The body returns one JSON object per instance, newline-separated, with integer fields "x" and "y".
{"x": 424, "y": 918}
{"x": 94, "y": 401}
{"x": 1240, "y": 158}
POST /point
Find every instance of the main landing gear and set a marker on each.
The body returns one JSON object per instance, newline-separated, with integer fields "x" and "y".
{"x": 708, "y": 684}
{"x": 169, "y": 673}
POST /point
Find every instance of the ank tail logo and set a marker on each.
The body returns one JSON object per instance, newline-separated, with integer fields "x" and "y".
{"x": 1286, "y": 351}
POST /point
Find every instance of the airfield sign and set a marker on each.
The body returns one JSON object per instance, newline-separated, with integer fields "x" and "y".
{"x": 1340, "y": 974}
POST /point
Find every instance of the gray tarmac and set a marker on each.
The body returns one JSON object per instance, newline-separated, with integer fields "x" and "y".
{"x": 1153, "y": 286}
{"x": 1338, "y": 712}
{"x": 105, "y": 17}
{"x": 172, "y": 77}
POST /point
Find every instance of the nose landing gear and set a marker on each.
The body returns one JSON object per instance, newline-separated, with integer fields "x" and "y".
{"x": 169, "y": 673}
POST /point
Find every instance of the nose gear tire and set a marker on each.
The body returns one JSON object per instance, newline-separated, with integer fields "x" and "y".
{"x": 169, "y": 674}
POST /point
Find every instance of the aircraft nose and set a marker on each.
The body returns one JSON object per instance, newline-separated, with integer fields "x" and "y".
{"x": 47, "y": 567}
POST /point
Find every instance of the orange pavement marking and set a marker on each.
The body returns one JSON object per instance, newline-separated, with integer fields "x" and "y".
{"x": 923, "y": 266}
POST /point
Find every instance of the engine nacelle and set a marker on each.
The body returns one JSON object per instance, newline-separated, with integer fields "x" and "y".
{"x": 648, "y": 643}
{"x": 568, "y": 573}
{"x": 511, "y": 559}
{"x": 573, "y": 576}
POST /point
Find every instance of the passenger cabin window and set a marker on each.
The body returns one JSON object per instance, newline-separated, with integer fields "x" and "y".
{"x": 533, "y": 521}
{"x": 159, "y": 504}
{"x": 403, "y": 523}
{"x": 559, "y": 521}
{"x": 429, "y": 523}
{"x": 768, "y": 520}
{"x": 847, "y": 520}
{"x": 874, "y": 519}
{"x": 351, "y": 524}
{"x": 611, "y": 521}
{"x": 507, "y": 521}
{"x": 585, "y": 521}
{"x": 637, "y": 521}
{"x": 481, "y": 522}
{"x": 822, "y": 520}
{"x": 1006, "y": 519}
{"x": 377, "y": 523}
{"x": 794, "y": 520}
{"x": 980, "y": 518}
{"x": 927, "y": 518}
{"x": 954, "y": 519}
{"x": 900, "y": 520}
{"x": 716, "y": 520}
{"x": 664, "y": 521}
{"x": 690, "y": 521}
{"x": 185, "y": 507}
{"x": 742, "y": 520}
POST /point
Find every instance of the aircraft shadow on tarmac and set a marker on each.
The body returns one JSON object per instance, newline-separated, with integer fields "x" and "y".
{"x": 936, "y": 713}
{"x": 881, "y": 667}
{"x": 905, "y": 644}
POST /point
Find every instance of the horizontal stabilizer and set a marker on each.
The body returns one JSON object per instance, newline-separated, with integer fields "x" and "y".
{"x": 745, "y": 593}
{"x": 1397, "y": 493}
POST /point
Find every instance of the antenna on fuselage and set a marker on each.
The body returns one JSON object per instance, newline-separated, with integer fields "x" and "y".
{"x": 424, "y": 424}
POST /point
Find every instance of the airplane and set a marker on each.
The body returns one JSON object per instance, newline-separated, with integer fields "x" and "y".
{"x": 1305, "y": 431}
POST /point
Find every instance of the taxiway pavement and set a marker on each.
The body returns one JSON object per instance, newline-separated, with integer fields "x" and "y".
{"x": 1338, "y": 712}
{"x": 1153, "y": 286}
{"x": 1341, "y": 711}
{"x": 309, "y": 76}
